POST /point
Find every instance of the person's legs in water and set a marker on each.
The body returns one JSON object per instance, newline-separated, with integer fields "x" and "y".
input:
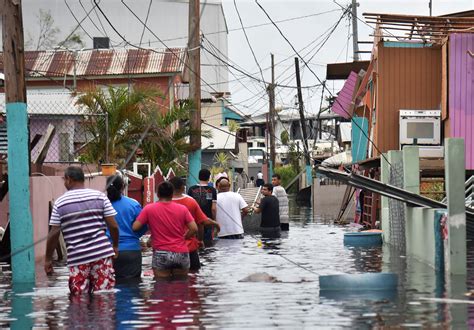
{"x": 195, "y": 263}
{"x": 128, "y": 265}
{"x": 79, "y": 279}
{"x": 102, "y": 275}
{"x": 284, "y": 226}
{"x": 181, "y": 264}
{"x": 167, "y": 263}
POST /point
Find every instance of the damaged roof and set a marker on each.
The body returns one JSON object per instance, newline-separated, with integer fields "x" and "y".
{"x": 103, "y": 62}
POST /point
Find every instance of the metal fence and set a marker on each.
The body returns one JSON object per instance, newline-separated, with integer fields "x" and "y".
{"x": 57, "y": 127}
{"x": 397, "y": 209}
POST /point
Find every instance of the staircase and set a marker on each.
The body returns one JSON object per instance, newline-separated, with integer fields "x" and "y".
{"x": 251, "y": 196}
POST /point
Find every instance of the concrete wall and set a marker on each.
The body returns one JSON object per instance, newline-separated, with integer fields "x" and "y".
{"x": 211, "y": 113}
{"x": 327, "y": 199}
{"x": 420, "y": 234}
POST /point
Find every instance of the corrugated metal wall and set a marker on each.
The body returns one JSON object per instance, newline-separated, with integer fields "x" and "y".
{"x": 408, "y": 77}
{"x": 461, "y": 91}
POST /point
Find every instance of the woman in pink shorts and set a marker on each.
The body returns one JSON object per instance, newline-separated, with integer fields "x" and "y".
{"x": 170, "y": 225}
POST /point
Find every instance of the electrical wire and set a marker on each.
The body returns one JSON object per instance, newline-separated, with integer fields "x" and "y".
{"x": 251, "y": 26}
{"x": 320, "y": 81}
{"x": 90, "y": 19}
{"x": 154, "y": 34}
{"x": 248, "y": 42}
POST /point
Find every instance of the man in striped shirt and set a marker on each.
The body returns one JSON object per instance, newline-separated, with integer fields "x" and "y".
{"x": 82, "y": 216}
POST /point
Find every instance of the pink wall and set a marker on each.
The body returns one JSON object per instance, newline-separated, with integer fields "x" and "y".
{"x": 461, "y": 91}
{"x": 45, "y": 189}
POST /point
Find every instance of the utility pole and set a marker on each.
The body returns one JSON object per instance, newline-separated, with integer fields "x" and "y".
{"x": 21, "y": 224}
{"x": 430, "y": 5}
{"x": 194, "y": 55}
{"x": 303, "y": 123}
{"x": 271, "y": 121}
{"x": 355, "y": 33}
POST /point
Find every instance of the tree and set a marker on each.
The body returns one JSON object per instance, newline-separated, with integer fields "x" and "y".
{"x": 121, "y": 114}
{"x": 48, "y": 35}
{"x": 165, "y": 144}
{"x": 47, "y": 32}
{"x": 129, "y": 115}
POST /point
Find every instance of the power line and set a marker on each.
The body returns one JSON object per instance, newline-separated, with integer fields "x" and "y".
{"x": 244, "y": 85}
{"x": 90, "y": 19}
{"x": 252, "y": 26}
{"x": 156, "y": 36}
{"x": 311, "y": 70}
{"x": 250, "y": 76}
{"x": 146, "y": 20}
{"x": 248, "y": 42}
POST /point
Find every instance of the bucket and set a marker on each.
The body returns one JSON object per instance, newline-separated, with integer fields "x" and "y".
{"x": 363, "y": 239}
{"x": 355, "y": 282}
{"x": 108, "y": 169}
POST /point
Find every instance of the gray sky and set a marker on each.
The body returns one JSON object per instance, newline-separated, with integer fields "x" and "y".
{"x": 249, "y": 95}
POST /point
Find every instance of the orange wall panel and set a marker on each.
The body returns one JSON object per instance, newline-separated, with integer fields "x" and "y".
{"x": 408, "y": 78}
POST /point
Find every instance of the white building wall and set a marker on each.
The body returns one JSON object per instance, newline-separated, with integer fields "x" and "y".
{"x": 168, "y": 19}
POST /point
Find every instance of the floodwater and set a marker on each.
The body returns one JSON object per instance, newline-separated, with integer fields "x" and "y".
{"x": 214, "y": 297}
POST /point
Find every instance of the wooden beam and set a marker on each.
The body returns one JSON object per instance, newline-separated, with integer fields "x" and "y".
{"x": 46, "y": 142}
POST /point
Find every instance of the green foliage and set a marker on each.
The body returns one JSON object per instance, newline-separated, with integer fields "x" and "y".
{"x": 118, "y": 118}
{"x": 233, "y": 126}
{"x": 74, "y": 41}
{"x": 287, "y": 174}
{"x": 294, "y": 157}
{"x": 221, "y": 160}
{"x": 167, "y": 141}
{"x": 129, "y": 115}
{"x": 285, "y": 137}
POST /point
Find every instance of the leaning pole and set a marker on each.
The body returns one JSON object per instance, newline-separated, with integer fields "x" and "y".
{"x": 21, "y": 224}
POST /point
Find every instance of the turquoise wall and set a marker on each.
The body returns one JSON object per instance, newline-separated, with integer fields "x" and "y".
{"x": 359, "y": 139}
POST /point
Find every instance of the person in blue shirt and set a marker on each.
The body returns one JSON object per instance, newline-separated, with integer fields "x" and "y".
{"x": 129, "y": 262}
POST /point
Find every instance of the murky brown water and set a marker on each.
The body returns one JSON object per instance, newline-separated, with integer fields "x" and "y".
{"x": 214, "y": 298}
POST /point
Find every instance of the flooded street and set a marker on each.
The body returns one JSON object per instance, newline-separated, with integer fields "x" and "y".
{"x": 214, "y": 298}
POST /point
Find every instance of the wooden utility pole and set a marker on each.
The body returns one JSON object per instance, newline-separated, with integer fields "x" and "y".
{"x": 21, "y": 224}
{"x": 194, "y": 55}
{"x": 303, "y": 122}
{"x": 355, "y": 32}
{"x": 271, "y": 121}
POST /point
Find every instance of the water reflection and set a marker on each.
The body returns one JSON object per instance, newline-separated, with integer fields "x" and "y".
{"x": 92, "y": 311}
{"x": 172, "y": 303}
{"x": 214, "y": 297}
{"x": 21, "y": 305}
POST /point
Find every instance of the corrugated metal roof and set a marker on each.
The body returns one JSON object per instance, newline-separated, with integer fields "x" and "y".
{"x": 461, "y": 91}
{"x": 429, "y": 29}
{"x": 103, "y": 62}
{"x": 48, "y": 103}
{"x": 342, "y": 105}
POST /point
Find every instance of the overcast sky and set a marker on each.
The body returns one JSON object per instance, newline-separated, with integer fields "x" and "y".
{"x": 249, "y": 95}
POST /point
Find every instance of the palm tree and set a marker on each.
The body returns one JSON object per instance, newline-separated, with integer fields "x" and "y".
{"x": 121, "y": 120}
{"x": 168, "y": 139}
{"x": 117, "y": 117}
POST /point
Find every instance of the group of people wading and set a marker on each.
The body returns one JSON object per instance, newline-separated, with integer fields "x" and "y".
{"x": 102, "y": 232}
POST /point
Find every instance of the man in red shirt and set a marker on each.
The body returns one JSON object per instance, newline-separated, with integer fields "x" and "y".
{"x": 170, "y": 225}
{"x": 199, "y": 217}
